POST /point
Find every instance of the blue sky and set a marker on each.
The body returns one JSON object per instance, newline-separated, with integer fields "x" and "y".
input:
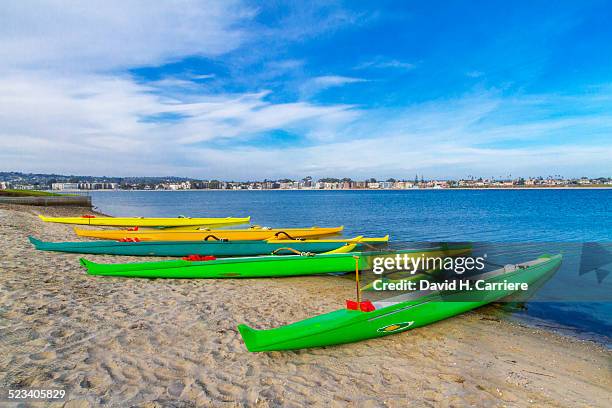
{"x": 243, "y": 90}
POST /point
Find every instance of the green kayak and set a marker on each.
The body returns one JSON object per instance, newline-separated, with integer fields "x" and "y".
{"x": 394, "y": 315}
{"x": 261, "y": 266}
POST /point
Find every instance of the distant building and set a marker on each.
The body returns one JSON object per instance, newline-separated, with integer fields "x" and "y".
{"x": 185, "y": 185}
{"x": 307, "y": 182}
{"x": 270, "y": 185}
{"x": 439, "y": 184}
{"x": 199, "y": 185}
{"x": 97, "y": 186}
{"x": 65, "y": 186}
{"x": 584, "y": 181}
{"x": 84, "y": 186}
{"x": 403, "y": 185}
{"x": 4, "y": 185}
{"x": 330, "y": 186}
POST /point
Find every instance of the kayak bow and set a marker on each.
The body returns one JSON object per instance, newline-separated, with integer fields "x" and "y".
{"x": 393, "y": 315}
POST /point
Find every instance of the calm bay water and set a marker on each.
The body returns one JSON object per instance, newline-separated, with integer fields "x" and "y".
{"x": 532, "y": 221}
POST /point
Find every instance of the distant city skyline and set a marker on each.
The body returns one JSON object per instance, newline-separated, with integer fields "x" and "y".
{"x": 4, "y": 175}
{"x": 240, "y": 90}
{"x": 21, "y": 181}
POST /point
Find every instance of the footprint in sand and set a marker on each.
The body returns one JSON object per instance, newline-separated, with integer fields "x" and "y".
{"x": 43, "y": 355}
{"x": 175, "y": 389}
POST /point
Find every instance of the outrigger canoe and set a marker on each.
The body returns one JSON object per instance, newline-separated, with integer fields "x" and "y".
{"x": 145, "y": 222}
{"x": 338, "y": 261}
{"x": 255, "y": 233}
{"x": 218, "y": 248}
{"x": 394, "y": 315}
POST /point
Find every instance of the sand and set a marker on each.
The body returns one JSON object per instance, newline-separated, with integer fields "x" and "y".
{"x": 140, "y": 342}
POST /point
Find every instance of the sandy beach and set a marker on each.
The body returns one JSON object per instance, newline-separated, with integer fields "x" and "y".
{"x": 150, "y": 343}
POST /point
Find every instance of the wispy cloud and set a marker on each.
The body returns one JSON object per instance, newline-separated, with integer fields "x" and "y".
{"x": 202, "y": 76}
{"x": 115, "y": 34}
{"x": 474, "y": 74}
{"x": 386, "y": 63}
{"x": 382, "y": 158}
{"x": 110, "y": 124}
{"x": 74, "y": 118}
{"x": 328, "y": 81}
{"x": 305, "y": 20}
{"x": 320, "y": 83}
{"x": 174, "y": 82}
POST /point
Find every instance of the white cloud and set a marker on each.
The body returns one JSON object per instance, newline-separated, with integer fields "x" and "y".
{"x": 446, "y": 139}
{"x": 169, "y": 83}
{"x": 202, "y": 76}
{"x": 386, "y": 63}
{"x": 285, "y": 65}
{"x": 102, "y": 35}
{"x": 320, "y": 83}
{"x": 63, "y": 104}
{"x": 335, "y": 80}
{"x": 101, "y": 121}
{"x": 396, "y": 157}
{"x": 93, "y": 124}
{"x": 474, "y": 74}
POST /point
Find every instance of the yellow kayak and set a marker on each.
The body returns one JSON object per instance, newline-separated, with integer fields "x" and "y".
{"x": 251, "y": 234}
{"x": 145, "y": 222}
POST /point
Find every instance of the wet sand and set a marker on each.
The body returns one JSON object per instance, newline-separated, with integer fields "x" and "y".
{"x": 141, "y": 342}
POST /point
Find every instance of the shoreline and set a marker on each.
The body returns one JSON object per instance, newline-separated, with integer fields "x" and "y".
{"x": 140, "y": 341}
{"x": 565, "y": 331}
{"x": 353, "y": 189}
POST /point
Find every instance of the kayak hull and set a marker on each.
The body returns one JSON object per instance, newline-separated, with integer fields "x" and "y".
{"x": 252, "y": 234}
{"x": 146, "y": 222}
{"x": 247, "y": 267}
{"x": 185, "y": 248}
{"x": 347, "y": 326}
{"x": 252, "y": 267}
